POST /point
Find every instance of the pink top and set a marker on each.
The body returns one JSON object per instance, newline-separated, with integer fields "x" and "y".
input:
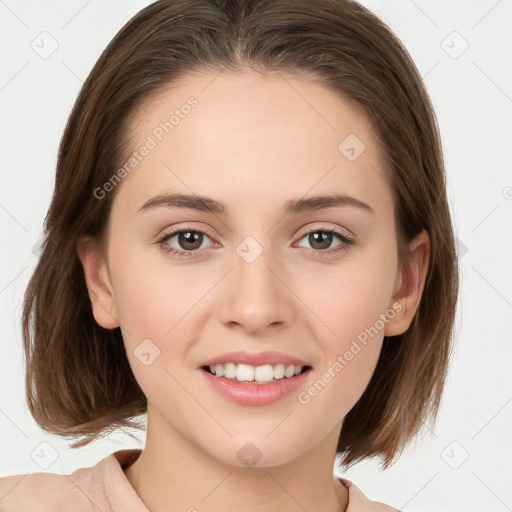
{"x": 105, "y": 487}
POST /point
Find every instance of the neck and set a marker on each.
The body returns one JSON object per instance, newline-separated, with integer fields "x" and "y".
{"x": 172, "y": 475}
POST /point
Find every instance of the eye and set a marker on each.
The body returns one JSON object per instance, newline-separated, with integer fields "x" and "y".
{"x": 188, "y": 240}
{"x": 320, "y": 239}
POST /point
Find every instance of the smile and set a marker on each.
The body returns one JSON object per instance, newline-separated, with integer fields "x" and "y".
{"x": 250, "y": 392}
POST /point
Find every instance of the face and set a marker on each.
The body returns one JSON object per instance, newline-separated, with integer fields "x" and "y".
{"x": 187, "y": 285}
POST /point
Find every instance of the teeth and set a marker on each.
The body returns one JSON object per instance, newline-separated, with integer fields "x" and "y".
{"x": 259, "y": 374}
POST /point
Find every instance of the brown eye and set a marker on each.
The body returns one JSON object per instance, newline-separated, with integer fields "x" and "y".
{"x": 190, "y": 240}
{"x": 187, "y": 242}
{"x": 320, "y": 240}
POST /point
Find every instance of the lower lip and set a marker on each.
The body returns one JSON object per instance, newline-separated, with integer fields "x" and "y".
{"x": 244, "y": 393}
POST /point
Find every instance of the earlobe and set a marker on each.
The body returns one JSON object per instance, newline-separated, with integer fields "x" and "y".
{"x": 98, "y": 283}
{"x": 409, "y": 286}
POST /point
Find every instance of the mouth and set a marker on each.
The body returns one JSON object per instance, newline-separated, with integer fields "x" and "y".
{"x": 256, "y": 387}
{"x": 257, "y": 375}
{"x": 264, "y": 374}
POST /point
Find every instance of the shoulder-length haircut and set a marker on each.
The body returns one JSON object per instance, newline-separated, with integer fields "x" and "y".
{"x": 78, "y": 379}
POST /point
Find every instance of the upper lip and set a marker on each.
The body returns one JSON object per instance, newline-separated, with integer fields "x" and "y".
{"x": 254, "y": 358}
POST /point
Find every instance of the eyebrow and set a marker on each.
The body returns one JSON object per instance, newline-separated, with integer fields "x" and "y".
{"x": 293, "y": 206}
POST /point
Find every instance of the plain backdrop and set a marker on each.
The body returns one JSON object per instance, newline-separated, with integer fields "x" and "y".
{"x": 463, "y": 50}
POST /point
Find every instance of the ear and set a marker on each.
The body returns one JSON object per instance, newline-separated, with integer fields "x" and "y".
{"x": 409, "y": 286}
{"x": 98, "y": 283}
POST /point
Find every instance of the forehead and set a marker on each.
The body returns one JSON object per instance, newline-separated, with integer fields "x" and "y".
{"x": 240, "y": 135}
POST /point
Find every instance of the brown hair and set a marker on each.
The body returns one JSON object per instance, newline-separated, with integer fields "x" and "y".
{"x": 78, "y": 379}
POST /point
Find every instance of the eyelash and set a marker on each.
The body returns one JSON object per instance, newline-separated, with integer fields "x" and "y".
{"x": 346, "y": 242}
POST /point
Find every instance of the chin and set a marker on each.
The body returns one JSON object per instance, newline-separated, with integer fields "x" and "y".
{"x": 257, "y": 452}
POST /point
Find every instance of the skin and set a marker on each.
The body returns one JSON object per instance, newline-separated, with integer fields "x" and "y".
{"x": 277, "y": 139}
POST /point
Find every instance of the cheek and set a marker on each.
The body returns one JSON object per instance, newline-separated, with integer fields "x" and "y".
{"x": 151, "y": 295}
{"x": 156, "y": 315}
{"x": 350, "y": 349}
{"x": 162, "y": 309}
{"x": 351, "y": 306}
{"x": 348, "y": 298}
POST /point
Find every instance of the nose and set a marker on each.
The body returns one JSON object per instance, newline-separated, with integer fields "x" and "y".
{"x": 255, "y": 295}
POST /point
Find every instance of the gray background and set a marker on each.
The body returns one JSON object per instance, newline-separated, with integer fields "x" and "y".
{"x": 462, "y": 462}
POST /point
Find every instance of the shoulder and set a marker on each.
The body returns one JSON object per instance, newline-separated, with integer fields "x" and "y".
{"x": 39, "y": 491}
{"x": 358, "y": 502}
{"x": 86, "y": 489}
